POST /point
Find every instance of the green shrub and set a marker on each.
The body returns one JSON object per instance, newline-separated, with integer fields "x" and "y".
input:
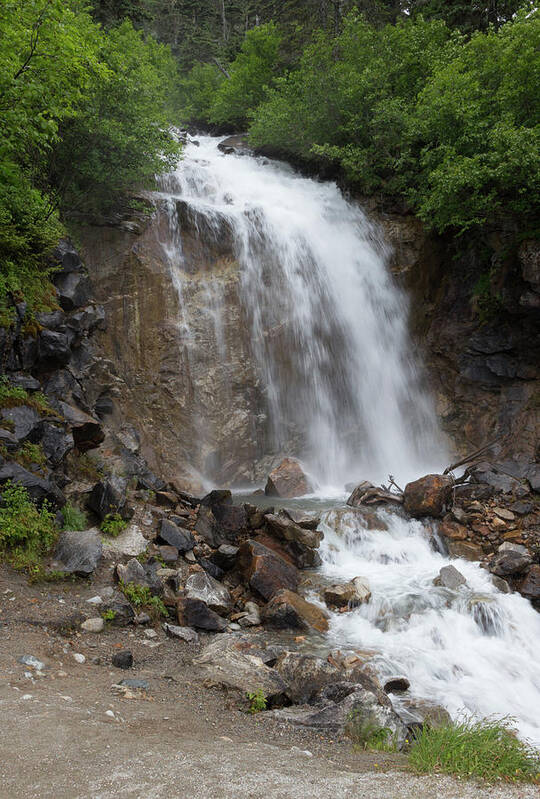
{"x": 488, "y": 749}
{"x": 27, "y": 532}
{"x": 108, "y": 615}
{"x": 13, "y": 396}
{"x": 113, "y": 524}
{"x": 257, "y": 701}
{"x": 30, "y": 454}
{"x": 142, "y": 598}
{"x": 74, "y": 518}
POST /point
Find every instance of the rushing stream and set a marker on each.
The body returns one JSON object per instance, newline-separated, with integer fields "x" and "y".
{"x": 341, "y": 372}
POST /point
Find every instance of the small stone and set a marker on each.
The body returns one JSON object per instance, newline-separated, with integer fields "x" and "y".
{"x": 501, "y": 584}
{"x": 184, "y": 633}
{"x": 142, "y": 618}
{"x": 95, "y": 600}
{"x": 110, "y": 714}
{"x": 122, "y": 659}
{"x": 137, "y": 685}
{"x": 150, "y": 633}
{"x": 94, "y": 625}
{"x": 190, "y": 556}
{"x": 505, "y": 514}
{"x": 26, "y": 696}
{"x": 32, "y": 662}
{"x": 79, "y": 657}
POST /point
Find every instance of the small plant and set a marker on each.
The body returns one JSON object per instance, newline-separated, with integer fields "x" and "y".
{"x": 141, "y": 598}
{"x": 38, "y": 574}
{"x": 257, "y": 701}
{"x": 12, "y": 396}
{"x": 74, "y": 518}
{"x": 86, "y": 467}
{"x": 113, "y": 524}
{"x": 488, "y": 749}
{"x": 27, "y": 532}
{"x": 487, "y": 303}
{"x": 366, "y": 733}
{"x": 108, "y": 615}
{"x": 31, "y": 454}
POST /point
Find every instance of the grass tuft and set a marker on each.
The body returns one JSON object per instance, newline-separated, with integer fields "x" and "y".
{"x": 488, "y": 749}
{"x": 74, "y": 518}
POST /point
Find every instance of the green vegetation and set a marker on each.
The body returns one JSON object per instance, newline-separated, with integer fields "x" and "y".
{"x": 108, "y": 615}
{"x": 31, "y": 455}
{"x": 142, "y": 598}
{"x": 257, "y": 701}
{"x": 113, "y": 524}
{"x": 84, "y": 115}
{"x": 74, "y": 518}
{"x": 488, "y": 749}
{"x": 12, "y": 396}
{"x": 365, "y": 733}
{"x": 27, "y": 532}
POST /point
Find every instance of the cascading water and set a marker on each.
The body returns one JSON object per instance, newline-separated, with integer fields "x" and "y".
{"x": 328, "y": 339}
{"x": 328, "y": 330}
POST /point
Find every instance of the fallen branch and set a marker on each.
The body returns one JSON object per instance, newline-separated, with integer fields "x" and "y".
{"x": 221, "y": 67}
{"x": 473, "y": 455}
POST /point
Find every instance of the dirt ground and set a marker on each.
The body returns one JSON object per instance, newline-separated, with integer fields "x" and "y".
{"x": 69, "y": 735}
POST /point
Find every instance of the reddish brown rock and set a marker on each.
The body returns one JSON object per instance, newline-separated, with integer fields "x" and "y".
{"x": 427, "y": 496}
{"x": 453, "y": 530}
{"x": 466, "y": 550}
{"x": 264, "y": 570}
{"x": 288, "y": 610}
{"x": 288, "y": 480}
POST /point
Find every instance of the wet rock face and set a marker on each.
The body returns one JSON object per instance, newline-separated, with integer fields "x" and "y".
{"x": 288, "y": 610}
{"x": 264, "y": 570}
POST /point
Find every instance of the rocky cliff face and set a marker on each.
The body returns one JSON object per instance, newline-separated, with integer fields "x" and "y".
{"x": 187, "y": 382}
{"x": 480, "y": 338}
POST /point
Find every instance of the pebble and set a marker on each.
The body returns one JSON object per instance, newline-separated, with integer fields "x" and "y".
{"x": 32, "y": 662}
{"x": 150, "y": 633}
{"x": 109, "y": 713}
{"x": 26, "y": 696}
{"x": 137, "y": 685}
{"x": 123, "y": 659}
{"x": 142, "y": 618}
{"x": 94, "y": 625}
{"x": 79, "y": 658}
{"x": 190, "y": 556}
{"x": 184, "y": 633}
{"x": 502, "y": 513}
{"x": 95, "y": 600}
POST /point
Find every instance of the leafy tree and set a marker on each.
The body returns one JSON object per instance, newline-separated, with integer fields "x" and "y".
{"x": 255, "y": 68}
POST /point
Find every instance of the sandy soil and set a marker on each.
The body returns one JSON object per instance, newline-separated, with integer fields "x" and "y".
{"x": 69, "y": 735}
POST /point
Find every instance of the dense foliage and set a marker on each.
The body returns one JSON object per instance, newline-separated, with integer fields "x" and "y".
{"x": 83, "y": 114}
{"x": 26, "y": 531}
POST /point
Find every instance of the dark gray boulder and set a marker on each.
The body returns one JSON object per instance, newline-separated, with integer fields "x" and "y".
{"x": 175, "y": 536}
{"x": 109, "y": 496}
{"x": 79, "y": 552}
{"x": 38, "y": 488}
{"x": 195, "y": 613}
{"x": 213, "y": 593}
{"x": 54, "y": 350}
{"x": 24, "y": 422}
{"x": 56, "y": 442}
{"x": 73, "y": 289}
{"x": 86, "y": 430}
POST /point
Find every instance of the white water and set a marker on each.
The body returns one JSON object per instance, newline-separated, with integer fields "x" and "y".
{"x": 329, "y": 339}
{"x": 473, "y": 650}
{"x": 328, "y": 326}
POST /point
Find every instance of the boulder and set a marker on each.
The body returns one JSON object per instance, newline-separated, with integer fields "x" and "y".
{"x": 195, "y": 613}
{"x": 396, "y": 685}
{"x": 24, "y": 422}
{"x": 288, "y": 480}
{"x": 232, "y": 662}
{"x": 221, "y": 523}
{"x": 348, "y": 595}
{"x": 219, "y": 496}
{"x": 453, "y": 530}
{"x": 511, "y": 559}
{"x": 264, "y": 570}
{"x": 66, "y": 257}
{"x": 79, "y": 552}
{"x": 109, "y": 496}
{"x": 201, "y": 586}
{"x": 54, "y": 350}
{"x": 467, "y": 550}
{"x": 530, "y": 586}
{"x": 252, "y": 617}
{"x": 305, "y": 675}
{"x": 417, "y": 713}
{"x": 73, "y": 288}
{"x": 357, "y": 713}
{"x": 117, "y": 607}
{"x": 450, "y": 577}
{"x": 37, "y": 487}
{"x": 225, "y": 556}
{"x": 288, "y": 610}
{"x": 178, "y": 537}
{"x": 303, "y": 518}
{"x": 493, "y": 475}
{"x": 56, "y": 442}
{"x": 87, "y": 431}
{"x": 211, "y": 568}
{"x": 134, "y": 572}
{"x": 299, "y": 542}
{"x": 427, "y": 496}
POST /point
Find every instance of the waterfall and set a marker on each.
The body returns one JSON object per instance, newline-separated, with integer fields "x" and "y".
{"x": 327, "y": 324}
{"x": 341, "y": 387}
